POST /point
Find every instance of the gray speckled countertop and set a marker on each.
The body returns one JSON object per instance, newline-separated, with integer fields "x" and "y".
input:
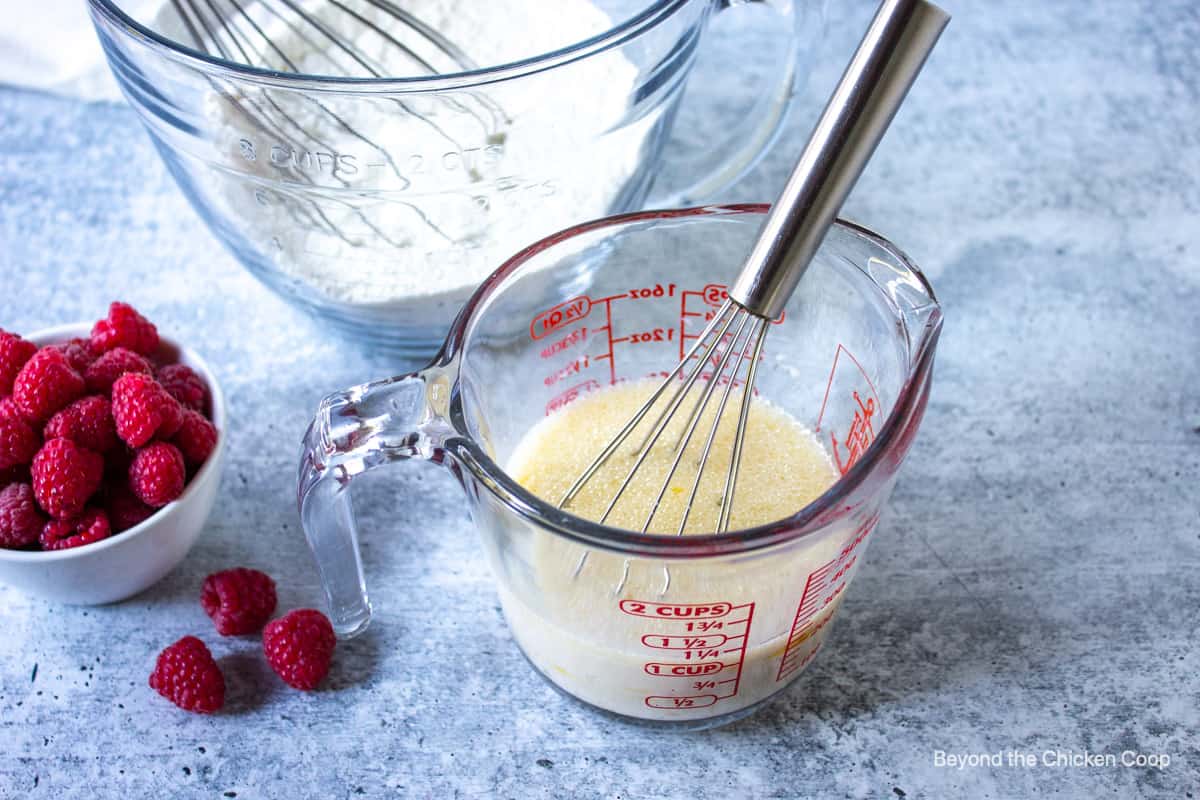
{"x": 1035, "y": 585}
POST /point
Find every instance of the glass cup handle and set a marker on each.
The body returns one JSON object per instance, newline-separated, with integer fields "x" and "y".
{"x": 727, "y": 160}
{"x": 354, "y": 431}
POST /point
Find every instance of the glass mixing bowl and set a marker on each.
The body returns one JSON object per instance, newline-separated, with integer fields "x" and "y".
{"x": 372, "y": 164}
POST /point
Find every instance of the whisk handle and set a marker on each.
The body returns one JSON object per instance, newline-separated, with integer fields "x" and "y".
{"x": 870, "y": 91}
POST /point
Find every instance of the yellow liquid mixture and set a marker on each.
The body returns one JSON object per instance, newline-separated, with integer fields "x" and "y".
{"x": 616, "y": 631}
{"x": 783, "y": 467}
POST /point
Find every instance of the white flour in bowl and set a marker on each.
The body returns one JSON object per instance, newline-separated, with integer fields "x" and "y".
{"x": 404, "y": 203}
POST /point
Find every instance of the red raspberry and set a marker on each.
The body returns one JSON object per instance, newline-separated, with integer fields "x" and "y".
{"x": 21, "y": 520}
{"x": 9, "y": 410}
{"x": 105, "y": 370}
{"x": 188, "y": 676}
{"x": 157, "y": 474}
{"x": 185, "y": 386}
{"x": 46, "y": 384}
{"x": 299, "y": 647}
{"x": 14, "y": 352}
{"x": 19, "y": 442}
{"x": 124, "y": 327}
{"x": 196, "y": 439}
{"x": 143, "y": 409}
{"x": 79, "y": 354}
{"x": 238, "y": 600}
{"x": 87, "y": 422}
{"x": 90, "y": 526}
{"x": 124, "y": 509}
{"x": 65, "y": 476}
{"x": 20, "y": 472}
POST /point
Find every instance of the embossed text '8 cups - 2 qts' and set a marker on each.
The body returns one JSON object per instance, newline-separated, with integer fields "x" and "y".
{"x": 373, "y": 168}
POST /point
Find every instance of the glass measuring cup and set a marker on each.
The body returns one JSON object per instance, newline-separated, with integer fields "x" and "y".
{"x": 378, "y": 204}
{"x": 702, "y": 629}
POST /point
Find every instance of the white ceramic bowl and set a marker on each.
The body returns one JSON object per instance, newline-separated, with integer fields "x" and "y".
{"x": 128, "y": 562}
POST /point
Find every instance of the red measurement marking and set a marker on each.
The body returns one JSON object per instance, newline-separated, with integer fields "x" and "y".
{"x": 571, "y": 395}
{"x": 804, "y": 662}
{"x": 649, "y": 337}
{"x": 689, "y": 650}
{"x": 684, "y": 642}
{"x": 858, "y": 438}
{"x": 562, "y": 314}
{"x": 577, "y": 336}
{"x": 712, "y": 295}
{"x": 639, "y": 608}
{"x": 823, "y": 586}
{"x": 689, "y": 701}
{"x": 704, "y": 625}
{"x": 737, "y": 683}
{"x": 612, "y": 365}
{"x": 685, "y": 670}
{"x": 833, "y": 372}
{"x": 704, "y": 313}
{"x": 648, "y": 292}
{"x": 607, "y": 331}
{"x": 715, "y": 294}
{"x": 861, "y": 430}
{"x": 567, "y": 370}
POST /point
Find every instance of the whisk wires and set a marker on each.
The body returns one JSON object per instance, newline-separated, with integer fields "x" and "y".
{"x": 732, "y": 339}
{"x": 251, "y": 32}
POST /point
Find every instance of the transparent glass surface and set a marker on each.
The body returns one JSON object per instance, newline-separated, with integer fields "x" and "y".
{"x": 375, "y": 182}
{"x": 685, "y": 631}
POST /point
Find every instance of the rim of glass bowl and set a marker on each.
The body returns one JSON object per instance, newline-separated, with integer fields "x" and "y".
{"x": 634, "y": 26}
{"x": 816, "y": 516}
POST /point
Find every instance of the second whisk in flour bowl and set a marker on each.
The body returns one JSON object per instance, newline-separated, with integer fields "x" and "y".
{"x": 374, "y": 160}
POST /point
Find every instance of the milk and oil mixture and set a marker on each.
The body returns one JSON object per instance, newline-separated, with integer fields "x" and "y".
{"x": 633, "y": 635}
{"x": 783, "y": 467}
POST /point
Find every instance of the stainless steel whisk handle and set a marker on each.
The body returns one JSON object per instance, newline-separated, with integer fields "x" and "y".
{"x": 870, "y": 91}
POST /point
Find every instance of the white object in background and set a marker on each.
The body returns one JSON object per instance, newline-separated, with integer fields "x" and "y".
{"x": 51, "y": 45}
{"x": 134, "y": 560}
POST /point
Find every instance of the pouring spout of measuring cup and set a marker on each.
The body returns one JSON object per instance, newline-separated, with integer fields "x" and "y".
{"x": 355, "y": 431}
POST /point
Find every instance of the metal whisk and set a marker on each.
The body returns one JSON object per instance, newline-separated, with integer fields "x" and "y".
{"x": 870, "y": 91}
{"x": 247, "y": 31}
{"x": 342, "y": 38}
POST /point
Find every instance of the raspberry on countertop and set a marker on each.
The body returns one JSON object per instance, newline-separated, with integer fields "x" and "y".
{"x": 239, "y": 600}
{"x": 187, "y": 675}
{"x": 299, "y": 647}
